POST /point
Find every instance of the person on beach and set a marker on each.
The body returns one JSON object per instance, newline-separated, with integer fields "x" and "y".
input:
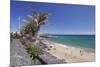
{"x": 81, "y": 53}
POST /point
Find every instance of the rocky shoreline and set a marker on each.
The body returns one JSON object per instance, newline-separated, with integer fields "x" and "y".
{"x": 20, "y": 57}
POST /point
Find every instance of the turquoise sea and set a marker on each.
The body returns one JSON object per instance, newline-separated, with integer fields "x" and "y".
{"x": 81, "y": 41}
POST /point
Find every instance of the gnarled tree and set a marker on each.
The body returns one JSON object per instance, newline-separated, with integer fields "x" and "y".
{"x": 33, "y": 26}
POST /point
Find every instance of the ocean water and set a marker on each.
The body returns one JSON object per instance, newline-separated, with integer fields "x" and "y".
{"x": 81, "y": 41}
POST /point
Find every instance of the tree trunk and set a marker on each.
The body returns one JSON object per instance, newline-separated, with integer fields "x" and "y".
{"x": 37, "y": 35}
{"x": 36, "y": 38}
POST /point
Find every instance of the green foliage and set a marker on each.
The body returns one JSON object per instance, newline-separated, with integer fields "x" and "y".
{"x": 42, "y": 18}
{"x": 31, "y": 49}
{"x": 33, "y": 26}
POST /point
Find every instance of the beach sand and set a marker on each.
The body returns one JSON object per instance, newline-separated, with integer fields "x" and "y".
{"x": 69, "y": 54}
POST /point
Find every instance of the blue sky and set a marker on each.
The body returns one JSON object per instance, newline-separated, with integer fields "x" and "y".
{"x": 63, "y": 19}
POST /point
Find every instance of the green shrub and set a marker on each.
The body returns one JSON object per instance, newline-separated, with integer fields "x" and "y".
{"x": 31, "y": 49}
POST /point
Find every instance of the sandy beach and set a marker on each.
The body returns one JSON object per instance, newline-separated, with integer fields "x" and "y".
{"x": 69, "y": 54}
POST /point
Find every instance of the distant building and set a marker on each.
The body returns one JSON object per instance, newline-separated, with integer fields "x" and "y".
{"x": 46, "y": 35}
